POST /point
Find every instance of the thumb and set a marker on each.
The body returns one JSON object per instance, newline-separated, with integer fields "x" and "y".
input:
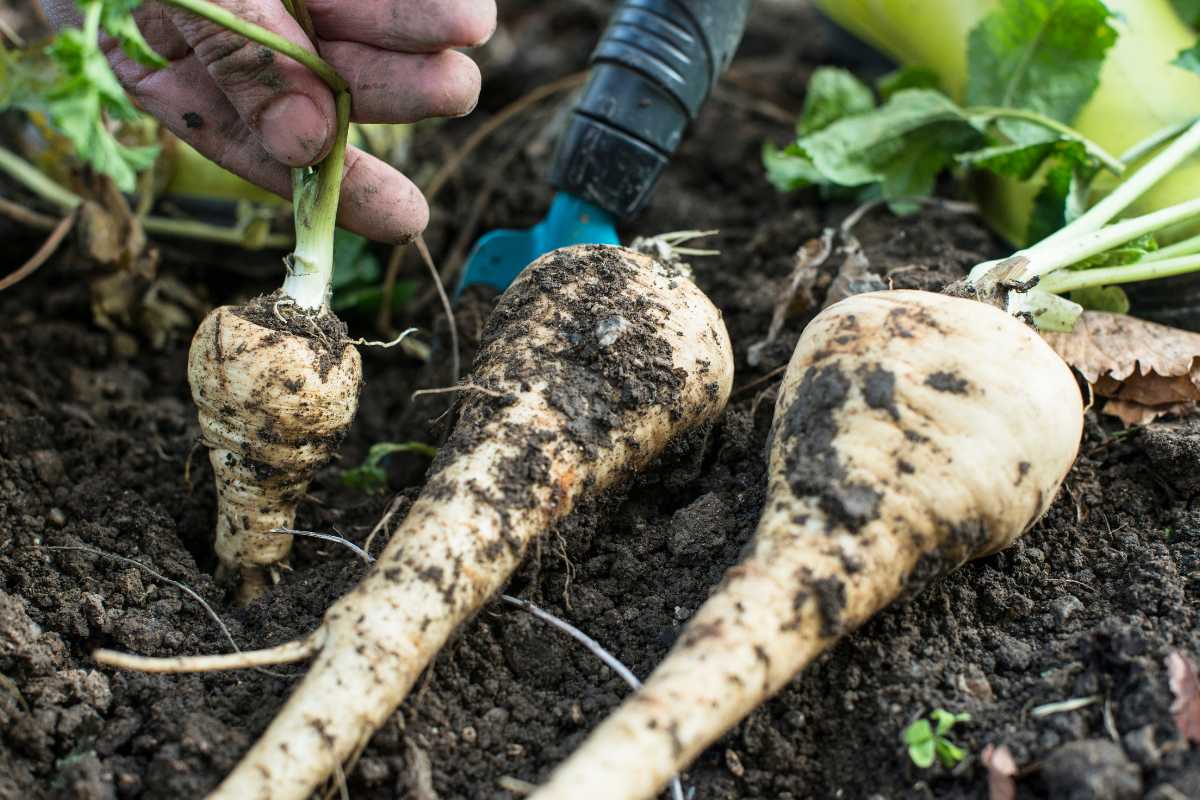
{"x": 288, "y": 107}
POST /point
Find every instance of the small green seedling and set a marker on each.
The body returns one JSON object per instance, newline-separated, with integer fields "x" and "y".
{"x": 370, "y": 476}
{"x": 926, "y": 741}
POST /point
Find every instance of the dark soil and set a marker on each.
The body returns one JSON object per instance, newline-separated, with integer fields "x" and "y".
{"x": 96, "y": 443}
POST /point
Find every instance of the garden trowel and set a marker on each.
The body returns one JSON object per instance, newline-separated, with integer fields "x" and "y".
{"x": 650, "y": 74}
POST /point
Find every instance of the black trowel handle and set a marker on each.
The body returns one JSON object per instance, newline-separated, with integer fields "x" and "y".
{"x": 650, "y": 74}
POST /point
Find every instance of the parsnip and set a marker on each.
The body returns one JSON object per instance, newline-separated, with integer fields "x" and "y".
{"x": 594, "y": 359}
{"x": 913, "y": 432}
{"x": 274, "y": 405}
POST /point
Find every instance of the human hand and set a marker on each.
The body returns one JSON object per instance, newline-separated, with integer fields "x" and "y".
{"x": 258, "y": 113}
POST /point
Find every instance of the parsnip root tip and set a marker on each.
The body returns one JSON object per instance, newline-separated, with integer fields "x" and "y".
{"x": 287, "y": 653}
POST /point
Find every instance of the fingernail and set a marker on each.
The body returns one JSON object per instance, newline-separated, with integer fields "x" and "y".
{"x": 294, "y": 130}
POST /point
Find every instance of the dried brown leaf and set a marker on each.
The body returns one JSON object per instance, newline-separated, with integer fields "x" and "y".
{"x": 1131, "y": 413}
{"x": 1149, "y": 390}
{"x": 1002, "y": 769}
{"x": 854, "y": 276}
{"x": 1181, "y": 674}
{"x": 1147, "y": 370}
{"x": 798, "y": 296}
{"x": 1118, "y": 345}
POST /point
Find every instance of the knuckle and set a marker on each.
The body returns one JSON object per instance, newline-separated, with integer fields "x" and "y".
{"x": 401, "y": 218}
{"x": 233, "y": 60}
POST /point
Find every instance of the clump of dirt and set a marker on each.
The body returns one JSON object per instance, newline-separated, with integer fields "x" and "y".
{"x": 95, "y": 451}
{"x": 325, "y": 333}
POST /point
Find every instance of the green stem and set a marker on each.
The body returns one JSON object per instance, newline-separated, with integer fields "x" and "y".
{"x": 255, "y": 33}
{"x": 1128, "y": 191}
{"x": 315, "y": 194}
{"x": 91, "y": 22}
{"x": 1183, "y": 248}
{"x": 1110, "y": 162}
{"x": 1128, "y": 273}
{"x": 1043, "y": 260}
{"x": 204, "y": 232}
{"x": 1154, "y": 141}
{"x": 32, "y": 179}
{"x": 299, "y": 11}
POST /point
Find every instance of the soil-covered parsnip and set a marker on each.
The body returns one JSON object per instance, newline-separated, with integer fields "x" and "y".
{"x": 276, "y": 395}
{"x": 913, "y": 431}
{"x": 594, "y": 360}
{"x": 275, "y": 381}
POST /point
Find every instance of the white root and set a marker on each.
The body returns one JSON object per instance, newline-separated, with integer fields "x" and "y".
{"x": 273, "y": 408}
{"x": 913, "y": 432}
{"x": 581, "y": 409}
{"x": 287, "y": 653}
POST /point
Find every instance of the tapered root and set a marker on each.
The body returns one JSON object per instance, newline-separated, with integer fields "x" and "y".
{"x": 288, "y": 653}
{"x": 913, "y": 432}
{"x": 593, "y": 361}
{"x": 273, "y": 406}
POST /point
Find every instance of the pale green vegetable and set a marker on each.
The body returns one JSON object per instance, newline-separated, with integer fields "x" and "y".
{"x": 1140, "y": 91}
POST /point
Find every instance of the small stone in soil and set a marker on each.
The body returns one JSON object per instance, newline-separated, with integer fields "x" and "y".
{"x": 1141, "y": 746}
{"x": 1065, "y": 607}
{"x": 697, "y": 528}
{"x": 1093, "y": 769}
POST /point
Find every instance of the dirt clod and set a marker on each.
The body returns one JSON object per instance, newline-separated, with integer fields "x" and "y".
{"x": 1093, "y": 769}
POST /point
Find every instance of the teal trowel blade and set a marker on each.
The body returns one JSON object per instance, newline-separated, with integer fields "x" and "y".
{"x": 498, "y": 257}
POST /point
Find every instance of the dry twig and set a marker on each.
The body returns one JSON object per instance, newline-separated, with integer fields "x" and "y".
{"x": 42, "y": 255}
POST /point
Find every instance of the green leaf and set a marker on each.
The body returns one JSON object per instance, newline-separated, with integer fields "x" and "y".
{"x": 353, "y": 261}
{"x": 26, "y": 77}
{"x": 1189, "y": 10}
{"x": 919, "y": 738}
{"x": 117, "y": 21}
{"x": 907, "y": 78}
{"x": 949, "y": 753}
{"x": 370, "y": 475}
{"x": 858, "y": 150}
{"x": 1062, "y": 198}
{"x": 922, "y": 753}
{"x": 788, "y": 169}
{"x": 369, "y": 479}
{"x": 1102, "y": 298}
{"x": 1040, "y": 55}
{"x": 1022, "y": 161}
{"x": 1189, "y": 59}
{"x": 1128, "y": 253}
{"x": 832, "y": 94}
{"x": 914, "y": 172}
{"x": 946, "y": 720}
{"x": 918, "y": 732}
{"x": 876, "y": 147}
{"x": 899, "y": 147}
{"x": 83, "y": 95}
{"x": 365, "y": 299}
